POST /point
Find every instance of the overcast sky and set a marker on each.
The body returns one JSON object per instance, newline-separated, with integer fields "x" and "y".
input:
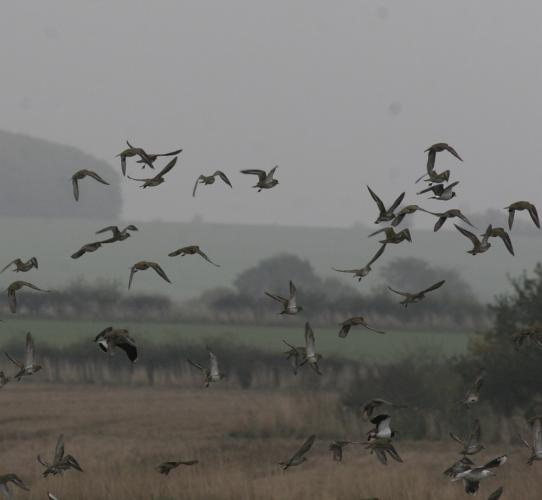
{"x": 338, "y": 94}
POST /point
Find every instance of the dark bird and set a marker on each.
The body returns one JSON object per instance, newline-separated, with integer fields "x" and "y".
{"x": 211, "y": 374}
{"x": 393, "y": 237}
{"x": 192, "y": 250}
{"x": 15, "y": 287}
{"x": 88, "y": 248}
{"x": 449, "y": 214}
{"x": 500, "y": 232}
{"x": 265, "y": 180}
{"x": 148, "y": 159}
{"x": 210, "y": 179}
{"x": 109, "y": 339}
{"x": 519, "y": 206}
{"x": 21, "y": 266}
{"x": 166, "y": 467}
{"x": 355, "y": 321}
{"x": 462, "y": 465}
{"x": 116, "y": 233}
{"x": 365, "y": 270}
{"x": 382, "y": 429}
{"x": 472, "y": 445}
{"x": 383, "y": 448}
{"x": 130, "y": 152}
{"x": 158, "y": 178}
{"x": 295, "y": 355}
{"x": 478, "y": 245}
{"x": 143, "y": 265}
{"x": 81, "y": 174}
{"x": 412, "y": 298}
{"x": 431, "y": 157}
{"x": 385, "y": 214}
{"x": 28, "y": 367}
{"x": 473, "y": 394}
{"x": 440, "y": 192}
{"x": 536, "y": 440}
{"x": 289, "y": 305}
{"x": 311, "y": 356}
{"x": 299, "y": 456}
{"x": 61, "y": 462}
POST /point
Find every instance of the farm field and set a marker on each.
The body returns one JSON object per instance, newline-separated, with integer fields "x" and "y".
{"x": 120, "y": 434}
{"x": 360, "y": 343}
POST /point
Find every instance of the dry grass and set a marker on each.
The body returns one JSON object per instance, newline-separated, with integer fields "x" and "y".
{"x": 120, "y": 434}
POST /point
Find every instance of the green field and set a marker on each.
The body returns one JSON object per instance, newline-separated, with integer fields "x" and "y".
{"x": 360, "y": 343}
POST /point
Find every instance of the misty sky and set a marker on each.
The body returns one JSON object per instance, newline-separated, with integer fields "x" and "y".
{"x": 338, "y": 94}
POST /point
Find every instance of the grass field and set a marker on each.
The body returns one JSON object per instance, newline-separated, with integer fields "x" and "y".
{"x": 360, "y": 343}
{"x": 119, "y": 435}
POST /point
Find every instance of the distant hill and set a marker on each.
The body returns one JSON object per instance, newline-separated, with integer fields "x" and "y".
{"x": 36, "y": 181}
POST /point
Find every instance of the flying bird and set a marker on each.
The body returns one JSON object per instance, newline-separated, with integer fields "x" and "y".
{"x": 407, "y": 210}
{"x": 21, "y": 266}
{"x": 462, "y": 465}
{"x": 536, "y": 440}
{"x": 295, "y": 355}
{"x": 382, "y": 429}
{"x": 143, "y": 265}
{"x": 393, "y": 237}
{"x": 265, "y": 180}
{"x": 385, "y": 214}
{"x": 192, "y": 250}
{"x": 383, "y": 448}
{"x": 210, "y": 179}
{"x": 449, "y": 214}
{"x": 519, "y": 206}
{"x": 299, "y": 456}
{"x": 363, "y": 271}
{"x": 472, "y": 445}
{"x": 440, "y": 192}
{"x": 289, "y": 305}
{"x": 500, "y": 232}
{"x": 116, "y": 233}
{"x": 478, "y": 245}
{"x": 211, "y": 374}
{"x": 88, "y": 248}
{"x": 81, "y": 174}
{"x": 311, "y": 356}
{"x": 28, "y": 367}
{"x": 148, "y": 159}
{"x": 412, "y": 298}
{"x": 109, "y": 339}
{"x": 473, "y": 394}
{"x": 158, "y": 178}
{"x": 130, "y": 152}
{"x": 61, "y": 462}
{"x": 355, "y": 321}
{"x": 15, "y": 287}
{"x": 336, "y": 448}
{"x": 472, "y": 476}
{"x": 166, "y": 467}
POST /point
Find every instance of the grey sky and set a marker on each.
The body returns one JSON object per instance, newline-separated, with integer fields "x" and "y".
{"x": 339, "y": 94}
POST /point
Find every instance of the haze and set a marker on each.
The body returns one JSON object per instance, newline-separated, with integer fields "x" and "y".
{"x": 339, "y": 95}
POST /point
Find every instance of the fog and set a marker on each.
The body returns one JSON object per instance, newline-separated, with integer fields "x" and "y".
{"x": 338, "y": 95}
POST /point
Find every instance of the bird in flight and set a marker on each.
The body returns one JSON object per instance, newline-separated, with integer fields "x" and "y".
{"x": 210, "y": 179}
{"x": 265, "y": 179}
{"x": 81, "y": 174}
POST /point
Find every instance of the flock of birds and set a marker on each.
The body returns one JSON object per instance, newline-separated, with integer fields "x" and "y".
{"x": 380, "y": 438}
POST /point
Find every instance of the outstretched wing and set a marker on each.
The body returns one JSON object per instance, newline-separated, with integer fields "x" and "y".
{"x": 278, "y": 298}
{"x": 310, "y": 343}
{"x": 29, "y": 350}
{"x": 160, "y": 271}
{"x": 113, "y": 229}
{"x": 172, "y": 153}
{"x": 397, "y": 202}
{"x": 196, "y": 185}
{"x": 305, "y": 447}
{"x": 505, "y": 237}
{"x": 452, "y": 151}
{"x": 30, "y": 285}
{"x": 167, "y": 168}
{"x": 260, "y": 173}
{"x": 472, "y": 237}
{"x": 377, "y": 200}
{"x": 132, "y": 272}
{"x": 9, "y": 265}
{"x": 465, "y": 220}
{"x": 213, "y": 361}
{"x": 496, "y": 462}
{"x": 222, "y": 175}
{"x": 496, "y": 494}
{"x": 14, "y": 361}
{"x": 377, "y": 254}
{"x": 534, "y": 215}
{"x": 95, "y": 176}
{"x": 433, "y": 287}
{"x": 59, "y": 449}
{"x": 404, "y": 294}
{"x": 75, "y": 186}
{"x": 204, "y": 255}
{"x": 196, "y": 365}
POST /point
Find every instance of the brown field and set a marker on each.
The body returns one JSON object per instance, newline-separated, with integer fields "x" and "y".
{"x": 119, "y": 434}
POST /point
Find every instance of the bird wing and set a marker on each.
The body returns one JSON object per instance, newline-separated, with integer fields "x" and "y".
{"x": 437, "y": 189}
{"x": 59, "y": 449}
{"x": 260, "y": 173}
{"x": 377, "y": 254}
{"x": 204, "y": 255}
{"x": 12, "y": 299}
{"x": 433, "y": 287}
{"x": 222, "y": 175}
{"x": 30, "y": 285}
{"x": 197, "y": 365}
{"x": 476, "y": 433}
{"x": 160, "y": 271}
{"x": 393, "y": 453}
{"x": 305, "y": 447}
{"x": 29, "y": 350}
{"x": 345, "y": 270}
{"x": 383, "y": 230}
{"x": 14, "y": 361}
{"x": 293, "y": 294}
{"x": 269, "y": 176}
{"x": 103, "y": 333}
{"x": 534, "y": 215}
{"x": 278, "y": 298}
{"x": 536, "y": 428}
{"x": 371, "y": 328}
{"x": 114, "y": 229}
{"x": 404, "y": 294}
{"x": 431, "y": 157}
{"x": 465, "y": 220}
{"x": 196, "y": 185}
{"x": 310, "y": 342}
{"x": 397, "y": 202}
{"x": 213, "y": 363}
{"x": 457, "y": 438}
{"x": 75, "y": 185}
{"x": 128, "y": 346}
{"x": 381, "y": 455}
{"x": 132, "y": 272}
{"x": 439, "y": 223}
{"x": 167, "y": 168}
{"x": 452, "y": 151}
{"x": 377, "y": 200}
{"x": 472, "y": 237}
{"x": 10, "y": 264}
{"x": 505, "y": 237}
{"x": 95, "y": 176}
{"x": 496, "y": 462}
{"x": 172, "y": 153}
{"x": 496, "y": 494}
